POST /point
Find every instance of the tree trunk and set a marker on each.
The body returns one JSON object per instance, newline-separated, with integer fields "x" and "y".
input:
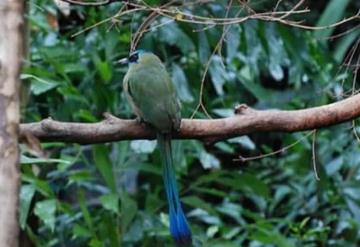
{"x": 11, "y": 52}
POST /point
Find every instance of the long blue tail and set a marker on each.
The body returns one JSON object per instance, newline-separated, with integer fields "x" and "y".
{"x": 179, "y": 227}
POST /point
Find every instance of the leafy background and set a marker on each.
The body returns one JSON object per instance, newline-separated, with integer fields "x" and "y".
{"x": 112, "y": 194}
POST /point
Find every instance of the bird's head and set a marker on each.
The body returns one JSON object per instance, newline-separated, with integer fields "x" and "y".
{"x": 134, "y": 57}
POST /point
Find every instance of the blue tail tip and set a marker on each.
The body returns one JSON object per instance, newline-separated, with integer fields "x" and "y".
{"x": 184, "y": 240}
{"x": 179, "y": 228}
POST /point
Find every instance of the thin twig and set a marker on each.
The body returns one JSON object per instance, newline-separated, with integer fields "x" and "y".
{"x": 335, "y": 36}
{"x": 217, "y": 48}
{"x": 261, "y": 156}
{"x": 314, "y": 155}
{"x": 94, "y": 3}
{"x": 356, "y": 70}
{"x": 117, "y": 15}
{"x": 292, "y": 10}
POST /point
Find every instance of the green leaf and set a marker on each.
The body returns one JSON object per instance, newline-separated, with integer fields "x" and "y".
{"x": 343, "y": 45}
{"x": 205, "y": 217}
{"x": 29, "y": 160}
{"x": 103, "y": 68}
{"x": 211, "y": 231}
{"x": 334, "y": 165}
{"x": 244, "y": 141}
{"x": 246, "y": 182}
{"x": 268, "y": 236}
{"x": 26, "y": 195}
{"x": 181, "y": 84}
{"x": 218, "y": 74}
{"x": 104, "y": 165}
{"x": 41, "y": 186}
{"x": 224, "y": 112}
{"x": 277, "y": 54}
{"x": 171, "y": 34}
{"x": 232, "y": 210}
{"x": 333, "y": 13}
{"x": 40, "y": 85}
{"x": 110, "y": 202}
{"x": 232, "y": 41}
{"x": 85, "y": 212}
{"x": 143, "y": 146}
{"x": 80, "y": 231}
{"x": 95, "y": 243}
{"x": 128, "y": 211}
{"x": 246, "y": 78}
{"x": 80, "y": 175}
{"x": 86, "y": 115}
{"x": 197, "y": 202}
{"x": 209, "y": 161}
{"x": 45, "y": 210}
{"x": 204, "y": 48}
{"x": 151, "y": 168}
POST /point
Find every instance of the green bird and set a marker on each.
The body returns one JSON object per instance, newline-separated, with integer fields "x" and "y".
{"x": 151, "y": 93}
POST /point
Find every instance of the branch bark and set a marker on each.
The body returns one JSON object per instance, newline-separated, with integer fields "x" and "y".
{"x": 246, "y": 121}
{"x": 11, "y": 51}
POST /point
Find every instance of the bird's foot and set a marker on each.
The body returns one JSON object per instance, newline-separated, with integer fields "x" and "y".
{"x": 142, "y": 122}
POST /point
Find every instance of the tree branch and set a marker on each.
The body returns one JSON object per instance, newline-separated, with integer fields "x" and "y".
{"x": 246, "y": 121}
{"x": 11, "y": 55}
{"x": 92, "y": 3}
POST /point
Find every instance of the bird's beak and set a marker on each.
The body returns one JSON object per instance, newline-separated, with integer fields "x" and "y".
{"x": 123, "y": 61}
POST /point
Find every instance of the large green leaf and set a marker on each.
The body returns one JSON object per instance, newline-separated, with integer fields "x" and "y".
{"x": 45, "y": 210}
{"x": 334, "y": 12}
{"x": 27, "y": 193}
{"x": 171, "y": 34}
{"x": 104, "y": 165}
{"x": 40, "y": 85}
{"x": 181, "y": 83}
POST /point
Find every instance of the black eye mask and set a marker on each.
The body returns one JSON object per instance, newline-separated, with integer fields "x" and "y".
{"x": 133, "y": 58}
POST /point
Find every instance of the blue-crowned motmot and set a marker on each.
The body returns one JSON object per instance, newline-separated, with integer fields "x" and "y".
{"x": 152, "y": 95}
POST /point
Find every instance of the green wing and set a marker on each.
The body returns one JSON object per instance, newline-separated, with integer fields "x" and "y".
{"x": 153, "y": 94}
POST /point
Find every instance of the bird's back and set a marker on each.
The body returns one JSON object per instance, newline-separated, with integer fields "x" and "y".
{"x": 152, "y": 93}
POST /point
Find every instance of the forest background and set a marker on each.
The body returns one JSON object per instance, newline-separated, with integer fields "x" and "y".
{"x": 267, "y": 54}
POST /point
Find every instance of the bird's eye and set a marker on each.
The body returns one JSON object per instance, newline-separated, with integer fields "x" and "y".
{"x": 133, "y": 58}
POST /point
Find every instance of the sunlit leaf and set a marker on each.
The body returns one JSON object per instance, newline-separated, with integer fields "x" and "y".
{"x": 218, "y": 74}
{"x": 26, "y": 195}
{"x": 143, "y": 146}
{"x": 110, "y": 202}
{"x": 128, "y": 211}
{"x": 40, "y": 85}
{"x": 209, "y": 161}
{"x": 181, "y": 83}
{"x": 334, "y": 11}
{"x": 45, "y": 210}
{"x": 104, "y": 165}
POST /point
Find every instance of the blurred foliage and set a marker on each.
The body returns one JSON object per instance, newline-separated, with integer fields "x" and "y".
{"x": 112, "y": 194}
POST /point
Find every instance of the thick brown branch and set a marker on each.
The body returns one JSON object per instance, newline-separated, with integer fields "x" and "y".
{"x": 92, "y": 3}
{"x": 246, "y": 121}
{"x": 11, "y": 55}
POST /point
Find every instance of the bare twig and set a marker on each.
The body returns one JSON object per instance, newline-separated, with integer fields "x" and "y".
{"x": 293, "y": 9}
{"x": 218, "y": 49}
{"x": 281, "y": 150}
{"x": 146, "y": 23}
{"x": 92, "y": 3}
{"x": 313, "y": 152}
{"x": 117, "y": 15}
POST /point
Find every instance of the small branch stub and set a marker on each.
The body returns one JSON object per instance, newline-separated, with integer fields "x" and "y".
{"x": 241, "y": 109}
